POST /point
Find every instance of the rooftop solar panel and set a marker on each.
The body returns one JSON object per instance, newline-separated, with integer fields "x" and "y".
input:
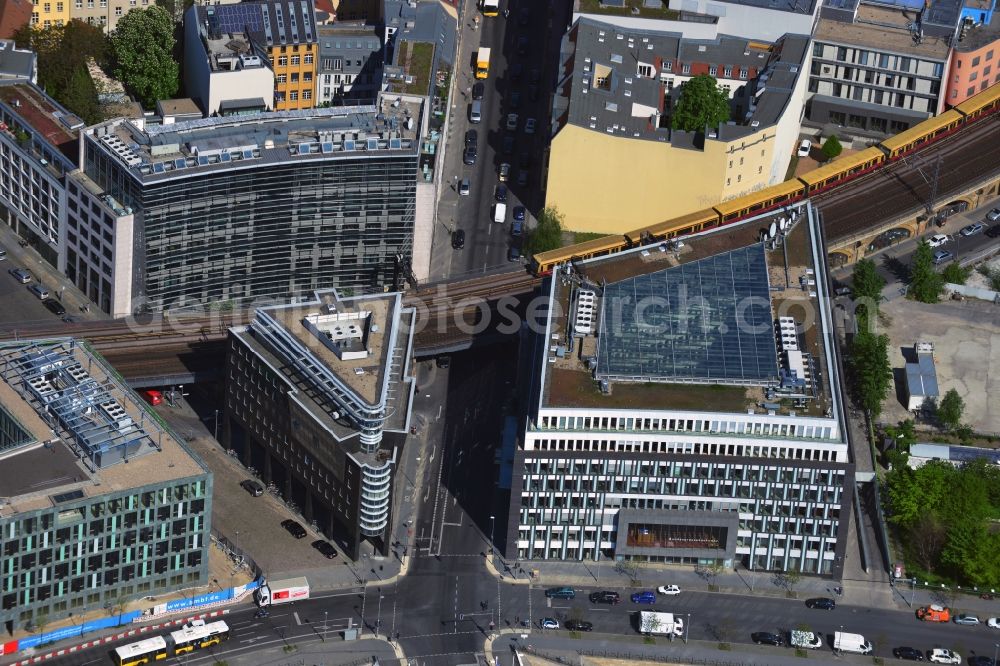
{"x": 237, "y": 18}
{"x": 704, "y": 321}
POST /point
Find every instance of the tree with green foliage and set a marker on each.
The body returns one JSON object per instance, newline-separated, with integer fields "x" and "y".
{"x": 926, "y": 284}
{"x": 870, "y": 371}
{"x": 703, "y": 103}
{"x": 953, "y": 273}
{"x": 142, "y": 50}
{"x": 866, "y": 283}
{"x": 63, "y": 52}
{"x": 831, "y": 147}
{"x": 949, "y": 410}
{"x": 547, "y": 235}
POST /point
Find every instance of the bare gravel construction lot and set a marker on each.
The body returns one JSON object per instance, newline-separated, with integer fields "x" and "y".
{"x": 966, "y": 338}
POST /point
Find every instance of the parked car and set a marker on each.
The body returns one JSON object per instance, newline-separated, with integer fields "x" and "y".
{"x": 908, "y": 653}
{"x": 508, "y": 144}
{"x": 522, "y": 44}
{"x": 966, "y": 619}
{"x": 522, "y": 178}
{"x": 669, "y": 590}
{"x": 644, "y": 597}
{"x": 524, "y": 160}
{"x": 501, "y": 193}
{"x": 515, "y": 100}
{"x": 465, "y": 187}
{"x": 516, "y": 227}
{"x": 993, "y": 623}
{"x": 294, "y": 528}
{"x": 993, "y": 215}
{"x": 942, "y": 256}
{"x": 514, "y": 253}
{"x": 458, "y": 239}
{"x": 477, "y": 90}
{"x": 3, "y": 254}
{"x": 519, "y": 213}
{"x": 943, "y": 656}
{"x": 471, "y": 138}
{"x": 535, "y": 75}
{"x": 21, "y": 275}
{"x": 767, "y": 638}
{"x": 443, "y": 362}
{"x": 325, "y": 548}
{"x": 523, "y": 16}
{"x": 516, "y": 72}
{"x": 529, "y": 125}
{"x": 972, "y": 229}
{"x": 605, "y": 597}
{"x": 560, "y": 593}
{"x": 579, "y": 625}
{"x": 55, "y": 307}
{"x": 470, "y": 154}
{"x": 533, "y": 93}
{"x": 550, "y": 623}
{"x": 252, "y": 487}
{"x": 937, "y": 240}
{"x": 503, "y": 173}
{"x": 153, "y": 397}
{"x": 511, "y": 121}
{"x": 821, "y": 603}
{"x": 805, "y": 147}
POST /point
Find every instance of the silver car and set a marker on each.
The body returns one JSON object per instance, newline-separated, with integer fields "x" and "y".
{"x": 967, "y": 620}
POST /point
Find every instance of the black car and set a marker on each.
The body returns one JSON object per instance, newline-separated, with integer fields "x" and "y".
{"x": 471, "y": 138}
{"x": 515, "y": 100}
{"x": 458, "y": 239}
{"x": 252, "y": 487}
{"x": 908, "y": 653}
{"x": 533, "y": 93}
{"x": 294, "y": 528}
{"x": 501, "y": 193}
{"x": 514, "y": 253}
{"x": 524, "y": 16}
{"x": 516, "y": 71}
{"x": 578, "y": 625}
{"x": 508, "y": 144}
{"x": 444, "y": 362}
{"x": 524, "y": 160}
{"x": 522, "y": 44}
{"x": 605, "y": 597}
{"x": 477, "y": 90}
{"x": 821, "y": 603}
{"x": 469, "y": 157}
{"x": 535, "y": 75}
{"x": 55, "y": 307}
{"x": 979, "y": 660}
{"x": 767, "y": 638}
{"x": 325, "y": 549}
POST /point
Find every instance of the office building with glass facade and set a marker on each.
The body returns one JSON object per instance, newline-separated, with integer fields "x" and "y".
{"x": 263, "y": 206}
{"x": 318, "y": 398}
{"x": 687, "y": 408}
{"x": 101, "y": 505}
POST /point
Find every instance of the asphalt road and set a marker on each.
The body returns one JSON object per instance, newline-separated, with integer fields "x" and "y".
{"x": 487, "y": 243}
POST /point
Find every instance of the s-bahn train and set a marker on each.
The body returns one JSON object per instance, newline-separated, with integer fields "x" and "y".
{"x": 196, "y": 635}
{"x": 810, "y": 184}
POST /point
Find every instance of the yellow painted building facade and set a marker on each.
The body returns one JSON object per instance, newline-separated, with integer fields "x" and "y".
{"x": 294, "y": 75}
{"x": 46, "y": 13}
{"x": 610, "y": 184}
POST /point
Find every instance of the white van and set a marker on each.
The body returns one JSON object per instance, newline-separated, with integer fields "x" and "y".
{"x": 854, "y": 643}
{"x": 38, "y": 290}
{"x": 476, "y": 112}
{"x": 500, "y": 213}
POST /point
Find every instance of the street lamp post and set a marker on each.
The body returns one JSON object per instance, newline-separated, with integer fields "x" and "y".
{"x": 687, "y": 628}
{"x": 492, "y": 549}
{"x": 325, "y": 624}
{"x": 378, "y": 617}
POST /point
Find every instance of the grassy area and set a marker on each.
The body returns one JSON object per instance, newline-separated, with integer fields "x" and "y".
{"x": 578, "y": 389}
{"x": 582, "y": 236}
{"x": 416, "y": 59}
{"x": 595, "y": 7}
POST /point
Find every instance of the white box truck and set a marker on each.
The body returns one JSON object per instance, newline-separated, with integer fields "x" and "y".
{"x": 855, "y": 643}
{"x": 660, "y": 624}
{"x": 807, "y": 640}
{"x": 500, "y": 213}
{"x": 276, "y": 592}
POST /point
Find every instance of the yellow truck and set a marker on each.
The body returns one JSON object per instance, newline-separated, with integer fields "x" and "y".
{"x": 482, "y": 62}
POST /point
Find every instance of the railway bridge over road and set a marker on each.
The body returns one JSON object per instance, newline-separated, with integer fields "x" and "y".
{"x": 860, "y": 218}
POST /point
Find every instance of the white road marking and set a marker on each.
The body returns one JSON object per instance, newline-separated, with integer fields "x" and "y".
{"x": 297, "y": 620}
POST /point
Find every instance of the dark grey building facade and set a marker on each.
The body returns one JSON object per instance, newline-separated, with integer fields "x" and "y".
{"x": 265, "y": 206}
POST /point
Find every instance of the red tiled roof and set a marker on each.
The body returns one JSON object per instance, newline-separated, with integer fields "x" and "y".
{"x": 13, "y": 15}
{"x": 324, "y": 6}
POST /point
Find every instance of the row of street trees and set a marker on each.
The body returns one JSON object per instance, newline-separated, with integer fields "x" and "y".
{"x": 869, "y": 370}
{"x": 139, "y": 53}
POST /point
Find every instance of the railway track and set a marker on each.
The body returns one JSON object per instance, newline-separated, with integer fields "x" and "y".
{"x": 888, "y": 193}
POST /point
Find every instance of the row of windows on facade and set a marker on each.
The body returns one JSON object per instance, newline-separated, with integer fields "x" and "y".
{"x": 688, "y": 469}
{"x": 293, "y": 96}
{"x": 576, "y": 490}
{"x": 822, "y": 524}
{"x": 571, "y": 535}
{"x": 282, "y": 79}
{"x": 975, "y": 63}
{"x": 683, "y": 424}
{"x": 862, "y": 94}
{"x": 47, "y": 23}
{"x": 72, "y": 527}
{"x": 873, "y": 123}
{"x": 971, "y": 90}
{"x": 874, "y": 77}
{"x": 93, "y": 600}
{"x": 283, "y": 61}
{"x": 135, "y": 546}
{"x": 88, "y": 280}
{"x": 882, "y": 61}
{"x": 689, "y": 448}
{"x": 713, "y": 70}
